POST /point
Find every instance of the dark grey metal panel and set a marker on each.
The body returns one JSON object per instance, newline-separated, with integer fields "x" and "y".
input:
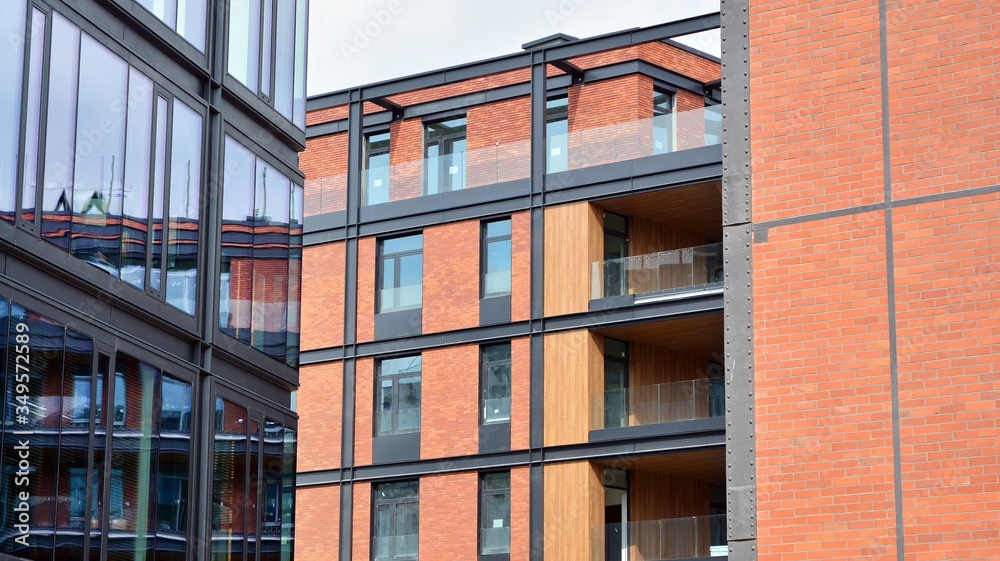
{"x": 737, "y": 256}
{"x": 317, "y": 238}
{"x": 537, "y": 396}
{"x": 329, "y": 127}
{"x": 323, "y": 355}
{"x": 741, "y": 512}
{"x": 494, "y": 310}
{"x": 481, "y": 334}
{"x": 658, "y": 429}
{"x": 494, "y": 437}
{"x": 327, "y": 100}
{"x": 347, "y": 410}
{"x": 321, "y": 222}
{"x": 536, "y": 513}
{"x": 346, "y": 521}
{"x": 396, "y": 448}
{"x": 393, "y": 325}
{"x": 350, "y": 292}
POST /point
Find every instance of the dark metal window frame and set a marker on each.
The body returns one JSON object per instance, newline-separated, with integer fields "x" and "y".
{"x": 661, "y": 110}
{"x": 624, "y": 362}
{"x": 443, "y": 140}
{"x": 377, "y": 406}
{"x": 392, "y": 504}
{"x": 484, "y": 494}
{"x": 484, "y": 368}
{"x": 554, "y": 115}
{"x": 485, "y": 242}
{"x": 396, "y": 257}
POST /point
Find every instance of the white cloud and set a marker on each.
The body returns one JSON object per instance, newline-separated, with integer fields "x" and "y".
{"x": 357, "y": 42}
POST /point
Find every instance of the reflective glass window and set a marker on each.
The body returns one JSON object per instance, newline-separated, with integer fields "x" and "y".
{"x": 236, "y": 275}
{"x": 244, "y": 41}
{"x": 444, "y": 156}
{"x": 229, "y": 481}
{"x": 494, "y": 509}
{"x": 186, "y": 17}
{"x": 557, "y": 134}
{"x": 136, "y": 189}
{"x": 29, "y": 184}
{"x": 11, "y": 61}
{"x": 270, "y": 260}
{"x": 185, "y": 195}
{"x": 496, "y": 252}
{"x": 397, "y": 409}
{"x": 397, "y": 521}
{"x": 401, "y": 273}
{"x": 100, "y": 156}
{"x": 60, "y": 136}
{"x": 663, "y": 126}
{"x": 495, "y": 383}
{"x": 293, "y": 324}
{"x": 376, "y": 170}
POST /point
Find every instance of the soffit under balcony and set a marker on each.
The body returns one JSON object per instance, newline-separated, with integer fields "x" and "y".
{"x": 700, "y": 335}
{"x": 693, "y": 208}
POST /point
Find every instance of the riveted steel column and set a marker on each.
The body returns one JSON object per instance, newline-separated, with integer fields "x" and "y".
{"x": 741, "y": 485}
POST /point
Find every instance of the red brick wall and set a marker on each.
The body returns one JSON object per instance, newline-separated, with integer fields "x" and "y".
{"x": 317, "y": 522}
{"x": 823, "y": 408}
{"x": 322, "y": 296}
{"x": 816, "y": 109}
{"x": 943, "y": 60}
{"x": 499, "y": 138}
{"x": 362, "y": 528}
{"x": 451, "y": 276}
{"x": 366, "y": 289}
{"x": 324, "y": 163}
{"x": 320, "y": 404}
{"x": 364, "y": 403}
{"x": 449, "y": 516}
{"x": 406, "y": 152}
{"x": 947, "y": 289}
{"x": 520, "y": 499}
{"x": 449, "y": 417}
{"x": 520, "y": 398}
{"x": 602, "y": 120}
{"x": 520, "y": 274}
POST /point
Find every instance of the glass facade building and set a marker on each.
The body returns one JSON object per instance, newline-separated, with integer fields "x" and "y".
{"x": 150, "y": 257}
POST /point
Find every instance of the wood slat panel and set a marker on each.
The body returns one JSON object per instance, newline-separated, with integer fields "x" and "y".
{"x": 574, "y": 507}
{"x": 698, "y": 335}
{"x": 573, "y": 241}
{"x": 695, "y": 208}
{"x": 573, "y": 361}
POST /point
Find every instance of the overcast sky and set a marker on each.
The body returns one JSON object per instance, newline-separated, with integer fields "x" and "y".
{"x": 357, "y": 42}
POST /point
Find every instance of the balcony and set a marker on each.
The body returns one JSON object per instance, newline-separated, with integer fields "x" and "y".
{"x": 688, "y": 400}
{"x": 504, "y": 162}
{"x": 691, "y": 537}
{"x": 659, "y": 276}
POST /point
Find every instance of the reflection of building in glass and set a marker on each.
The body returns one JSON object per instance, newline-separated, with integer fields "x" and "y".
{"x": 149, "y": 336}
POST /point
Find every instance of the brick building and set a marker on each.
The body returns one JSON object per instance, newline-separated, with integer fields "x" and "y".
{"x": 612, "y": 298}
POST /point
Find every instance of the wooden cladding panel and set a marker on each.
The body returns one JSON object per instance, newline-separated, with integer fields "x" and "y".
{"x": 574, "y": 508}
{"x": 573, "y": 242}
{"x": 573, "y": 370}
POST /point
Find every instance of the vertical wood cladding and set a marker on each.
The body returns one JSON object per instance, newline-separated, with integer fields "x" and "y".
{"x": 573, "y": 242}
{"x": 574, "y": 511}
{"x": 574, "y": 371}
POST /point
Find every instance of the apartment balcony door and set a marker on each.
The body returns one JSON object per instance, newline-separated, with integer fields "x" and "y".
{"x": 615, "y": 252}
{"x": 615, "y": 515}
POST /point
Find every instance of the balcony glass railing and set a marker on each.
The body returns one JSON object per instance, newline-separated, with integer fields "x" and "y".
{"x": 397, "y": 421}
{"x": 495, "y": 540}
{"x": 660, "y": 403}
{"x": 395, "y": 548}
{"x": 508, "y": 161}
{"x": 400, "y": 298}
{"x": 496, "y": 410}
{"x": 655, "y": 272}
{"x": 672, "y": 538}
{"x": 637, "y": 139}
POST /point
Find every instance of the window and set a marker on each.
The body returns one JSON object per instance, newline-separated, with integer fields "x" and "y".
{"x": 495, "y": 383}
{"x": 401, "y": 273}
{"x": 376, "y": 180}
{"x": 398, "y": 394}
{"x": 444, "y": 156}
{"x": 11, "y": 71}
{"x": 260, "y": 269}
{"x": 186, "y": 17}
{"x": 397, "y": 521}
{"x": 78, "y": 495}
{"x": 496, "y": 253}
{"x": 615, "y": 383}
{"x": 95, "y": 175}
{"x": 267, "y": 41}
{"x": 663, "y": 129}
{"x": 80, "y": 402}
{"x": 615, "y": 252}
{"x": 494, "y": 513}
{"x": 557, "y": 134}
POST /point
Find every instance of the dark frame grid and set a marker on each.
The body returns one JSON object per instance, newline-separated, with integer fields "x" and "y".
{"x": 488, "y": 365}
{"x": 505, "y": 235}
{"x": 396, "y": 258}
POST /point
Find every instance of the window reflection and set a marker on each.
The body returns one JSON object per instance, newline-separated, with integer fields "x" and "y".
{"x": 10, "y": 104}
{"x": 260, "y": 270}
{"x": 186, "y": 17}
{"x": 185, "y": 189}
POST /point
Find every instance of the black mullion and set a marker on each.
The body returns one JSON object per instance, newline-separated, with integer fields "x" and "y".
{"x": 165, "y": 228}
{"x": 29, "y": 13}
{"x": 91, "y": 431}
{"x": 150, "y": 192}
{"x": 35, "y": 227}
{"x": 109, "y": 426}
